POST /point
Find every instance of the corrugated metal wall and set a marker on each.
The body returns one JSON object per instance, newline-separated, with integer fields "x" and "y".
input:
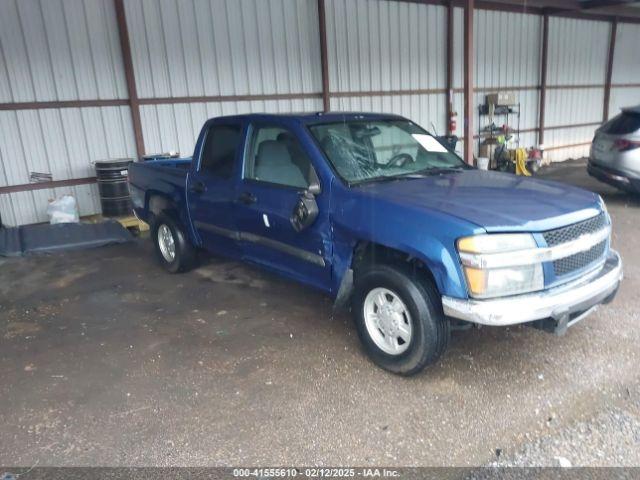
{"x": 383, "y": 55}
{"x": 507, "y": 58}
{"x": 577, "y": 55}
{"x": 180, "y": 48}
{"x": 189, "y": 48}
{"x": 58, "y": 50}
{"x": 385, "y": 46}
{"x": 194, "y": 48}
{"x": 626, "y": 68}
{"x": 62, "y": 142}
{"x": 507, "y": 53}
{"x": 176, "y": 127}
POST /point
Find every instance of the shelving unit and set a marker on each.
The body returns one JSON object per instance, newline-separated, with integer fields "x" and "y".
{"x": 488, "y": 130}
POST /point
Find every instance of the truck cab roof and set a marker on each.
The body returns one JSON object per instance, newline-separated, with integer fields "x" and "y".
{"x": 311, "y": 117}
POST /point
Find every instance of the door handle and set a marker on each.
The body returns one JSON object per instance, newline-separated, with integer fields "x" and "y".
{"x": 197, "y": 187}
{"x": 247, "y": 198}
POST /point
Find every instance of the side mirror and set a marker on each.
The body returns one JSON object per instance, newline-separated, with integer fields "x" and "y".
{"x": 306, "y": 210}
{"x": 314, "y": 188}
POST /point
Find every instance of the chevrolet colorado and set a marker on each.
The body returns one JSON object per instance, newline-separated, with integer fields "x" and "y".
{"x": 377, "y": 213}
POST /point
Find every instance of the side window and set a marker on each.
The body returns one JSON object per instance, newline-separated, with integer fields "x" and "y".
{"x": 219, "y": 150}
{"x": 276, "y": 157}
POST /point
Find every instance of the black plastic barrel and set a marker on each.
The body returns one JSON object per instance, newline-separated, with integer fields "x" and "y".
{"x": 115, "y": 198}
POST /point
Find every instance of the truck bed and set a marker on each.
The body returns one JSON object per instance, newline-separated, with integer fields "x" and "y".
{"x": 162, "y": 178}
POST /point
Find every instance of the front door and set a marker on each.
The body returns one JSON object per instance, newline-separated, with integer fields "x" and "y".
{"x": 211, "y": 188}
{"x": 277, "y": 171}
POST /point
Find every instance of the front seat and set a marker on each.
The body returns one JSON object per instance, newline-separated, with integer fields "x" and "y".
{"x": 274, "y": 165}
{"x": 297, "y": 155}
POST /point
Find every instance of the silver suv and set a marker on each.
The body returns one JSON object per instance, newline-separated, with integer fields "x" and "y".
{"x": 615, "y": 151}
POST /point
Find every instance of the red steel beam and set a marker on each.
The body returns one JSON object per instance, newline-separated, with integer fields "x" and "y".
{"x": 571, "y": 145}
{"x": 573, "y": 125}
{"x": 543, "y": 77}
{"x": 575, "y": 86}
{"x": 468, "y": 81}
{"x": 523, "y": 7}
{"x": 227, "y": 98}
{"x": 63, "y": 104}
{"x": 134, "y": 104}
{"x": 499, "y": 89}
{"x": 449, "y": 87}
{"x": 27, "y": 187}
{"x": 382, "y": 93}
{"x": 282, "y": 96}
{"x": 324, "y": 62}
{"x": 607, "y": 87}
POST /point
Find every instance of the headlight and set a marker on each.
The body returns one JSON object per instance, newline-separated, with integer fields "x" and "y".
{"x": 485, "y": 282}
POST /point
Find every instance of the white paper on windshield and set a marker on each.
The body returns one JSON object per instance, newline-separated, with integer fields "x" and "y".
{"x": 429, "y": 143}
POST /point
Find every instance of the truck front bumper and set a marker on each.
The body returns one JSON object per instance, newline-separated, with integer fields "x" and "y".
{"x": 565, "y": 304}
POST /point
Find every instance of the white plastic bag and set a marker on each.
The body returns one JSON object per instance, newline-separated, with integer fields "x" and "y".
{"x": 63, "y": 210}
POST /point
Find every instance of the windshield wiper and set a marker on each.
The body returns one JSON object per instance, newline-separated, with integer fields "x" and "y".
{"x": 427, "y": 172}
{"x": 390, "y": 178}
{"x": 440, "y": 170}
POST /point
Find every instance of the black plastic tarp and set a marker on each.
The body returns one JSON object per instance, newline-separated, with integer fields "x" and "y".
{"x": 45, "y": 238}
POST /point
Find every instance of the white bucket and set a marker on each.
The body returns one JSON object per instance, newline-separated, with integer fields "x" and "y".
{"x": 483, "y": 163}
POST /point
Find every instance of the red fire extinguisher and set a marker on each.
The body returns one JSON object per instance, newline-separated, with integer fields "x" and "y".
{"x": 453, "y": 123}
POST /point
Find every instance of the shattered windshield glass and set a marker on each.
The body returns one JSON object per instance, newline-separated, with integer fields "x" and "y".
{"x": 363, "y": 150}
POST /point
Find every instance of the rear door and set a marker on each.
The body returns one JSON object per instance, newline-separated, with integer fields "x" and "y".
{"x": 211, "y": 187}
{"x": 277, "y": 171}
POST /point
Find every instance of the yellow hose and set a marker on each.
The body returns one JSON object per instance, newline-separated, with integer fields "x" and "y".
{"x": 519, "y": 157}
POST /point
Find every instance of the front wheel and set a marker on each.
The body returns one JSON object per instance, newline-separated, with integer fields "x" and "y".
{"x": 173, "y": 249}
{"x": 399, "y": 318}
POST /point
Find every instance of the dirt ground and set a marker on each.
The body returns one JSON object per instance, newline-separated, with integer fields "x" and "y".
{"x": 105, "y": 359}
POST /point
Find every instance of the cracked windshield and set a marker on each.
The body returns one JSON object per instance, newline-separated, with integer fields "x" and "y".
{"x": 364, "y": 151}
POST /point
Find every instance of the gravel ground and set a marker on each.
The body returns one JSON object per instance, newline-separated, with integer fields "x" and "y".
{"x": 105, "y": 359}
{"x": 610, "y": 438}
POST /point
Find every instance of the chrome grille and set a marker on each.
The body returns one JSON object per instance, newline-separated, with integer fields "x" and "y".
{"x": 580, "y": 260}
{"x": 571, "y": 232}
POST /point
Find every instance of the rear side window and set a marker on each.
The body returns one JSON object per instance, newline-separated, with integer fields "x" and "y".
{"x": 219, "y": 151}
{"x": 622, "y": 124}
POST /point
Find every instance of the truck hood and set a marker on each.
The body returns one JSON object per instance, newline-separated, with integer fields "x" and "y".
{"x": 492, "y": 200}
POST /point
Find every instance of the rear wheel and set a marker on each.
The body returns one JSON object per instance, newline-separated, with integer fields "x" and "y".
{"x": 173, "y": 249}
{"x": 399, "y": 318}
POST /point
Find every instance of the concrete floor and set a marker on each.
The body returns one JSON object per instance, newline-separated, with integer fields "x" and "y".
{"x": 107, "y": 360}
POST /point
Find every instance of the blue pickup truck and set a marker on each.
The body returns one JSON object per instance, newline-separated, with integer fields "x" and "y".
{"x": 377, "y": 213}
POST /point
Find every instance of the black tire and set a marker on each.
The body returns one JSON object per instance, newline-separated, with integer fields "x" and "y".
{"x": 185, "y": 254}
{"x": 431, "y": 329}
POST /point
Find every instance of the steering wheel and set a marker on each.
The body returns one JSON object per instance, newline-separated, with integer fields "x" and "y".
{"x": 399, "y": 160}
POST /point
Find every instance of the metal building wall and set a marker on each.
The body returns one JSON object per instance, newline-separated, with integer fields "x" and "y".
{"x": 625, "y": 78}
{"x": 388, "y": 56}
{"x": 577, "y": 61}
{"x": 175, "y": 127}
{"x": 212, "y": 48}
{"x": 194, "y": 59}
{"x": 58, "y": 50}
{"x": 577, "y": 57}
{"x": 507, "y": 53}
{"x": 62, "y": 142}
{"x": 507, "y": 58}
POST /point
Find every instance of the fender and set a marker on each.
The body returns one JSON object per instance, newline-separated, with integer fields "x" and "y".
{"x": 360, "y": 218}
